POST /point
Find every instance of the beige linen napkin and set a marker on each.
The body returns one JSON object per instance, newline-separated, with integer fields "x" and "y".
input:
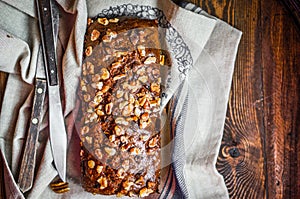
{"x": 203, "y": 49}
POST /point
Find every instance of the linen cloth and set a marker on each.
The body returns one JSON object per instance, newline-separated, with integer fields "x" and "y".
{"x": 198, "y": 91}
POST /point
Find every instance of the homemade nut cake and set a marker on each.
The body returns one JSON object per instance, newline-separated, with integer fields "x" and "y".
{"x": 120, "y": 103}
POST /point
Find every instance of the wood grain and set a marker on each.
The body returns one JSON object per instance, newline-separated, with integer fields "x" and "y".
{"x": 281, "y": 72}
{"x": 241, "y": 159}
{"x": 294, "y": 9}
{"x": 259, "y": 156}
{"x": 3, "y": 78}
{"x": 2, "y": 192}
{"x": 241, "y": 156}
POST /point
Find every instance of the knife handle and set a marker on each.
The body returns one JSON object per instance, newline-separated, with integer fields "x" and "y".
{"x": 48, "y": 43}
{"x": 26, "y": 174}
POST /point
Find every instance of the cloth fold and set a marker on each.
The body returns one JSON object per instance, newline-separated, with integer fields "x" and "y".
{"x": 203, "y": 50}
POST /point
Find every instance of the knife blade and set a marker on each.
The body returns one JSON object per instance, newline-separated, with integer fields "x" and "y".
{"x": 58, "y": 136}
{"x": 26, "y": 174}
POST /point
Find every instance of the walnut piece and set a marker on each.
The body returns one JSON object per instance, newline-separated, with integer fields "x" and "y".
{"x": 103, "y": 182}
{"x": 89, "y": 51}
{"x": 91, "y": 164}
{"x": 103, "y": 21}
{"x": 95, "y": 35}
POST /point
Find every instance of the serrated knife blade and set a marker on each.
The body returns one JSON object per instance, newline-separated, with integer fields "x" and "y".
{"x": 48, "y": 20}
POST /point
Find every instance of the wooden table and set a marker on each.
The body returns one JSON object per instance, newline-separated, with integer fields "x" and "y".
{"x": 260, "y": 156}
{"x": 260, "y": 153}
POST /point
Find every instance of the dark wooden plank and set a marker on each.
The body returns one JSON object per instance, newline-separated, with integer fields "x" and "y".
{"x": 3, "y": 77}
{"x": 281, "y": 72}
{"x": 265, "y": 148}
{"x": 2, "y": 192}
{"x": 241, "y": 158}
{"x": 294, "y": 9}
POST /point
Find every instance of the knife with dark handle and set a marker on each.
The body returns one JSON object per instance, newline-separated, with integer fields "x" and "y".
{"x": 47, "y": 35}
{"x": 27, "y": 168}
{"x": 48, "y": 20}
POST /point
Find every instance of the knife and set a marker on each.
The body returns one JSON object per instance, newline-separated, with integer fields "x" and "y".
{"x": 48, "y": 21}
{"x": 27, "y": 168}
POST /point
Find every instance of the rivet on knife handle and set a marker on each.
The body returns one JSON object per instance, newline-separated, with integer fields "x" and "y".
{"x": 26, "y": 174}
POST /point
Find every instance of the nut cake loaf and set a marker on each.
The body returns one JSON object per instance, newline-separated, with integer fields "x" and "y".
{"x": 120, "y": 107}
